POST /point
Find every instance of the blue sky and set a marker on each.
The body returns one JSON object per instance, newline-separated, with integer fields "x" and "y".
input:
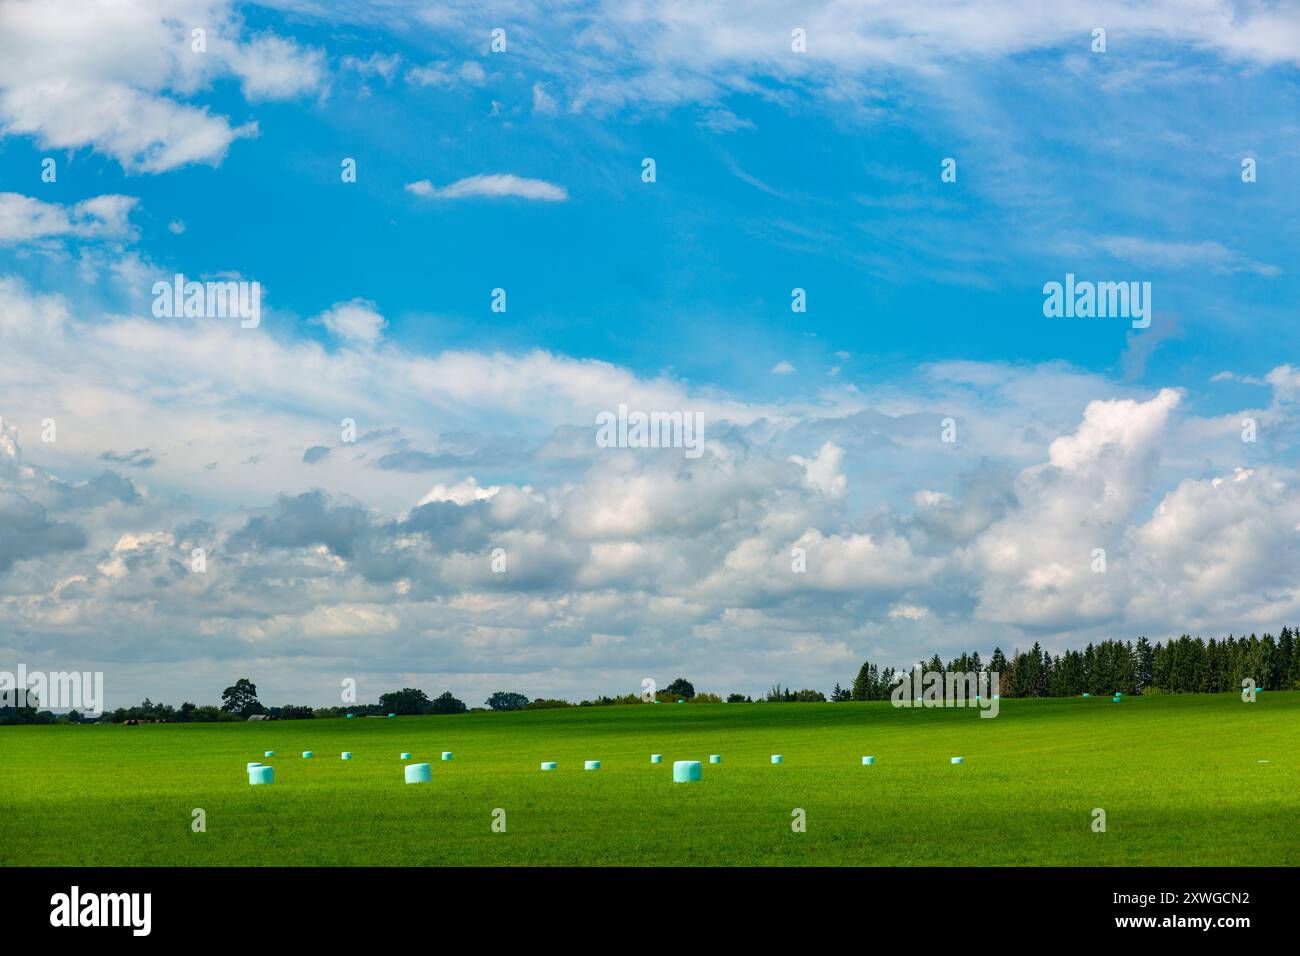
{"x": 775, "y": 169}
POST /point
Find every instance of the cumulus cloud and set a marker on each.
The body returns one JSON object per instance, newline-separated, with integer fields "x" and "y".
{"x": 1285, "y": 380}
{"x": 356, "y": 323}
{"x": 1037, "y": 565}
{"x": 273, "y": 68}
{"x": 27, "y": 531}
{"x": 25, "y": 219}
{"x": 1222, "y": 547}
{"x": 119, "y": 77}
{"x": 758, "y": 561}
{"x": 823, "y": 472}
{"x": 462, "y": 492}
{"x": 908, "y": 612}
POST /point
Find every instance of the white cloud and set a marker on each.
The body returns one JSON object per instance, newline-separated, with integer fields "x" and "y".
{"x": 1285, "y": 380}
{"x": 492, "y": 185}
{"x": 143, "y": 133}
{"x": 462, "y": 492}
{"x": 611, "y": 55}
{"x": 908, "y": 612}
{"x": 357, "y": 322}
{"x": 1037, "y": 565}
{"x": 1163, "y": 254}
{"x": 1222, "y": 548}
{"x": 1126, "y": 426}
{"x": 444, "y": 76}
{"x": 932, "y": 499}
{"x": 118, "y": 77}
{"x": 783, "y": 368}
{"x": 686, "y": 560}
{"x": 724, "y": 121}
{"x": 543, "y": 102}
{"x": 823, "y": 472}
{"x": 28, "y": 317}
{"x": 24, "y": 219}
{"x": 375, "y": 65}
{"x": 273, "y": 68}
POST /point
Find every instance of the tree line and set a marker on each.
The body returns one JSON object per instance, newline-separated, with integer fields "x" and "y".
{"x": 1186, "y": 665}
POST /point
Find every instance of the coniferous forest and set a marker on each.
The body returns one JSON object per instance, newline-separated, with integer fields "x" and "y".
{"x": 1188, "y": 665}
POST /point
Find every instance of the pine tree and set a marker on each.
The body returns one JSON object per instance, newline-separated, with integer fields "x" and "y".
{"x": 1145, "y": 665}
{"x": 997, "y": 665}
{"x": 1286, "y": 658}
{"x": 862, "y": 683}
{"x": 1270, "y": 660}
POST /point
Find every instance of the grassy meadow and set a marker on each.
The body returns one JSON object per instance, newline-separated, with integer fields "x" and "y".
{"x": 1182, "y": 781}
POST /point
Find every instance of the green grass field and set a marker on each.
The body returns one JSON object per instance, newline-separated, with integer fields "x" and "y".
{"x": 1180, "y": 778}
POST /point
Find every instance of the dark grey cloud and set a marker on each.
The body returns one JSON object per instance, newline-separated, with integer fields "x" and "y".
{"x": 137, "y": 458}
{"x": 983, "y": 495}
{"x": 27, "y": 531}
{"x": 306, "y": 520}
{"x": 449, "y": 526}
{"x": 411, "y": 460}
{"x": 103, "y": 489}
{"x": 457, "y": 450}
